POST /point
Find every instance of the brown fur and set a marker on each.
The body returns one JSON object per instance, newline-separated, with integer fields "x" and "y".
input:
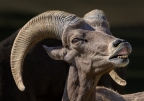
{"x": 106, "y": 94}
{"x": 90, "y": 52}
{"x": 36, "y": 63}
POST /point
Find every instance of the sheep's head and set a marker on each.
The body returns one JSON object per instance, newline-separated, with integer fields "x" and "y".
{"x": 87, "y": 43}
{"x": 92, "y": 51}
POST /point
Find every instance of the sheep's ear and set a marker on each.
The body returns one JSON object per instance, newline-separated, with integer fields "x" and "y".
{"x": 60, "y": 53}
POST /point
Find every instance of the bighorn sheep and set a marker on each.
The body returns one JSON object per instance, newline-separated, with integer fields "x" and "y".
{"x": 90, "y": 50}
{"x": 39, "y": 67}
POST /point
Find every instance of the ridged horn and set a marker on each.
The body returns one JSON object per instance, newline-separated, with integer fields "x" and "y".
{"x": 50, "y": 24}
{"x": 98, "y": 20}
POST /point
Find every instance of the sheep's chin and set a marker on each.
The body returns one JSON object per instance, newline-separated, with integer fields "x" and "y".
{"x": 117, "y": 79}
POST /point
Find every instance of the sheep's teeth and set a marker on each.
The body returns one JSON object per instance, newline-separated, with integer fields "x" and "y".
{"x": 124, "y": 56}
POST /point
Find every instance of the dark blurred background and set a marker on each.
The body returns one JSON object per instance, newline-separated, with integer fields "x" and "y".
{"x": 126, "y": 18}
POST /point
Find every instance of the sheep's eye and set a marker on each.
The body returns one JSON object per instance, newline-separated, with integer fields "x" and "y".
{"x": 75, "y": 40}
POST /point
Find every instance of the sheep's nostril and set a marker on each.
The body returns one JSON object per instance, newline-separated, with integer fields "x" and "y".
{"x": 117, "y": 42}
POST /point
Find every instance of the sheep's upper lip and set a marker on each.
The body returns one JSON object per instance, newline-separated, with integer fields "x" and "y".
{"x": 121, "y": 52}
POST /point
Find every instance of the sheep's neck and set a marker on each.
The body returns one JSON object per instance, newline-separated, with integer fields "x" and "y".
{"x": 80, "y": 86}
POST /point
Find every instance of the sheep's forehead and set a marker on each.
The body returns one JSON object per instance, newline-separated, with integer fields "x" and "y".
{"x": 92, "y": 36}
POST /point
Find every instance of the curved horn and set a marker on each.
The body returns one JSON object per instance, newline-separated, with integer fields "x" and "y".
{"x": 98, "y": 20}
{"x": 50, "y": 24}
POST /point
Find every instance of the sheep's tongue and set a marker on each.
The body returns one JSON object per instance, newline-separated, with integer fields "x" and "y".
{"x": 117, "y": 79}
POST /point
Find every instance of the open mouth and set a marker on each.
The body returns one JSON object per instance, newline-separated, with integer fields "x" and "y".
{"x": 120, "y": 56}
{"x": 120, "y": 59}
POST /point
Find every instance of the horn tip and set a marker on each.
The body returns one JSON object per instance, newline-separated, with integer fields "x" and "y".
{"x": 21, "y": 87}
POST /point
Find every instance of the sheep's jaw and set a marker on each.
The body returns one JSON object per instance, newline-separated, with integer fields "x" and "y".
{"x": 119, "y": 58}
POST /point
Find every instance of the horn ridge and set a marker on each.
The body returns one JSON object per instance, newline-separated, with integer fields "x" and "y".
{"x": 46, "y": 25}
{"x": 96, "y": 18}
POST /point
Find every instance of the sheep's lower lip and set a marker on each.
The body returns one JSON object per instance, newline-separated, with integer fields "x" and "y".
{"x": 120, "y": 55}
